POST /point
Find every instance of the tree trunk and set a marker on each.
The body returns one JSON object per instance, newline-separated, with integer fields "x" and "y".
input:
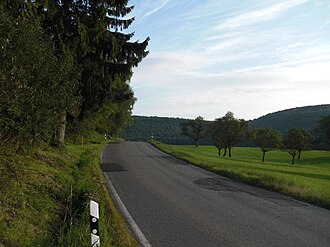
{"x": 263, "y": 156}
{"x": 219, "y": 149}
{"x": 293, "y": 156}
{"x": 196, "y": 143}
{"x": 299, "y": 152}
{"x": 224, "y": 154}
{"x": 229, "y": 149}
{"x": 61, "y": 129}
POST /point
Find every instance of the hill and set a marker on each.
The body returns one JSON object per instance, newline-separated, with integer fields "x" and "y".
{"x": 299, "y": 117}
{"x": 167, "y": 130}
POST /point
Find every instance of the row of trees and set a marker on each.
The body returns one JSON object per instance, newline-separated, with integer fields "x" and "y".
{"x": 296, "y": 141}
{"x": 65, "y": 65}
{"x": 227, "y": 131}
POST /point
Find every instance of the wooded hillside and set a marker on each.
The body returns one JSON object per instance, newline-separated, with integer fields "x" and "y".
{"x": 167, "y": 130}
{"x": 300, "y": 117}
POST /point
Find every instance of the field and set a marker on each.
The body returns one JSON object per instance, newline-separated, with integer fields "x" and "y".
{"x": 308, "y": 179}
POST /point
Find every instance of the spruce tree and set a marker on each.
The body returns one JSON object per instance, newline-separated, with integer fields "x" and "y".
{"x": 88, "y": 38}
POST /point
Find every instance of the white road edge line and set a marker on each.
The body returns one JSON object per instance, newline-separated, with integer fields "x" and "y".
{"x": 130, "y": 221}
{"x": 128, "y": 218}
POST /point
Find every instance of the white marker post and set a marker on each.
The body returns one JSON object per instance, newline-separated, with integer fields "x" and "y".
{"x": 94, "y": 221}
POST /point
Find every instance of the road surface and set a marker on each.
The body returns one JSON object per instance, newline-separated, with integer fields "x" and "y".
{"x": 177, "y": 204}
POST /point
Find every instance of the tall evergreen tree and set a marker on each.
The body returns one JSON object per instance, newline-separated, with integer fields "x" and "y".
{"x": 107, "y": 59}
{"x": 91, "y": 48}
{"x": 88, "y": 38}
{"x": 90, "y": 34}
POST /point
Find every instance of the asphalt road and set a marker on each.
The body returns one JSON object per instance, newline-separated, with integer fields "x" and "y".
{"x": 177, "y": 204}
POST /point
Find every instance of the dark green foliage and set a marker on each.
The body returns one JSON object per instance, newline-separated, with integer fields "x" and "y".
{"x": 35, "y": 86}
{"x": 167, "y": 130}
{"x": 266, "y": 139}
{"x": 305, "y": 141}
{"x": 194, "y": 129}
{"x": 91, "y": 30}
{"x": 65, "y": 61}
{"x": 162, "y": 128}
{"x": 214, "y": 131}
{"x": 229, "y": 131}
{"x": 300, "y": 117}
{"x": 296, "y": 141}
{"x": 323, "y": 128}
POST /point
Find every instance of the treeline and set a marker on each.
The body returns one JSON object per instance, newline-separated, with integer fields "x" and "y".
{"x": 65, "y": 68}
{"x": 227, "y": 131}
{"x": 163, "y": 129}
{"x": 167, "y": 130}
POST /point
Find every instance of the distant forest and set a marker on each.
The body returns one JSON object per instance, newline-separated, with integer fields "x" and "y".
{"x": 300, "y": 117}
{"x": 162, "y": 129}
{"x": 167, "y": 130}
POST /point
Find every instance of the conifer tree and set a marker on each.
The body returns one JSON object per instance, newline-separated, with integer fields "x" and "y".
{"x": 88, "y": 36}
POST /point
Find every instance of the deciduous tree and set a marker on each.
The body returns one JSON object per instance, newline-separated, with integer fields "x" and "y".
{"x": 214, "y": 131}
{"x": 194, "y": 129}
{"x": 296, "y": 141}
{"x": 33, "y": 82}
{"x": 305, "y": 141}
{"x": 229, "y": 131}
{"x": 266, "y": 139}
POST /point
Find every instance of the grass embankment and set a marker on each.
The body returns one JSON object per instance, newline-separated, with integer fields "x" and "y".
{"x": 307, "y": 180}
{"x": 45, "y": 199}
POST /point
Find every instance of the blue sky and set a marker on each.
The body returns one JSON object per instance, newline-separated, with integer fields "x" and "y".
{"x": 250, "y": 57}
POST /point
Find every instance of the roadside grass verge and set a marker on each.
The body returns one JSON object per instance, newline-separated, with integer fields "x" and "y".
{"x": 307, "y": 180}
{"x": 45, "y": 199}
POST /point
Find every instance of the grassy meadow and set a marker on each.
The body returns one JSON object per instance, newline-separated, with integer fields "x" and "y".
{"x": 45, "y": 199}
{"x": 308, "y": 179}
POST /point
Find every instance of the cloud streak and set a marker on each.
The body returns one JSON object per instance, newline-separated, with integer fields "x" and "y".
{"x": 257, "y": 16}
{"x": 155, "y": 9}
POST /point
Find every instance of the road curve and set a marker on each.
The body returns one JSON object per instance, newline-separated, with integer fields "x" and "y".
{"x": 177, "y": 204}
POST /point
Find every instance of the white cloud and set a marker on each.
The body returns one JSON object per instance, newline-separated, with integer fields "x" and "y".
{"x": 170, "y": 65}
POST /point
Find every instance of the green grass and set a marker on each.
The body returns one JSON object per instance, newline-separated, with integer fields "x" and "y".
{"x": 45, "y": 197}
{"x": 308, "y": 179}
